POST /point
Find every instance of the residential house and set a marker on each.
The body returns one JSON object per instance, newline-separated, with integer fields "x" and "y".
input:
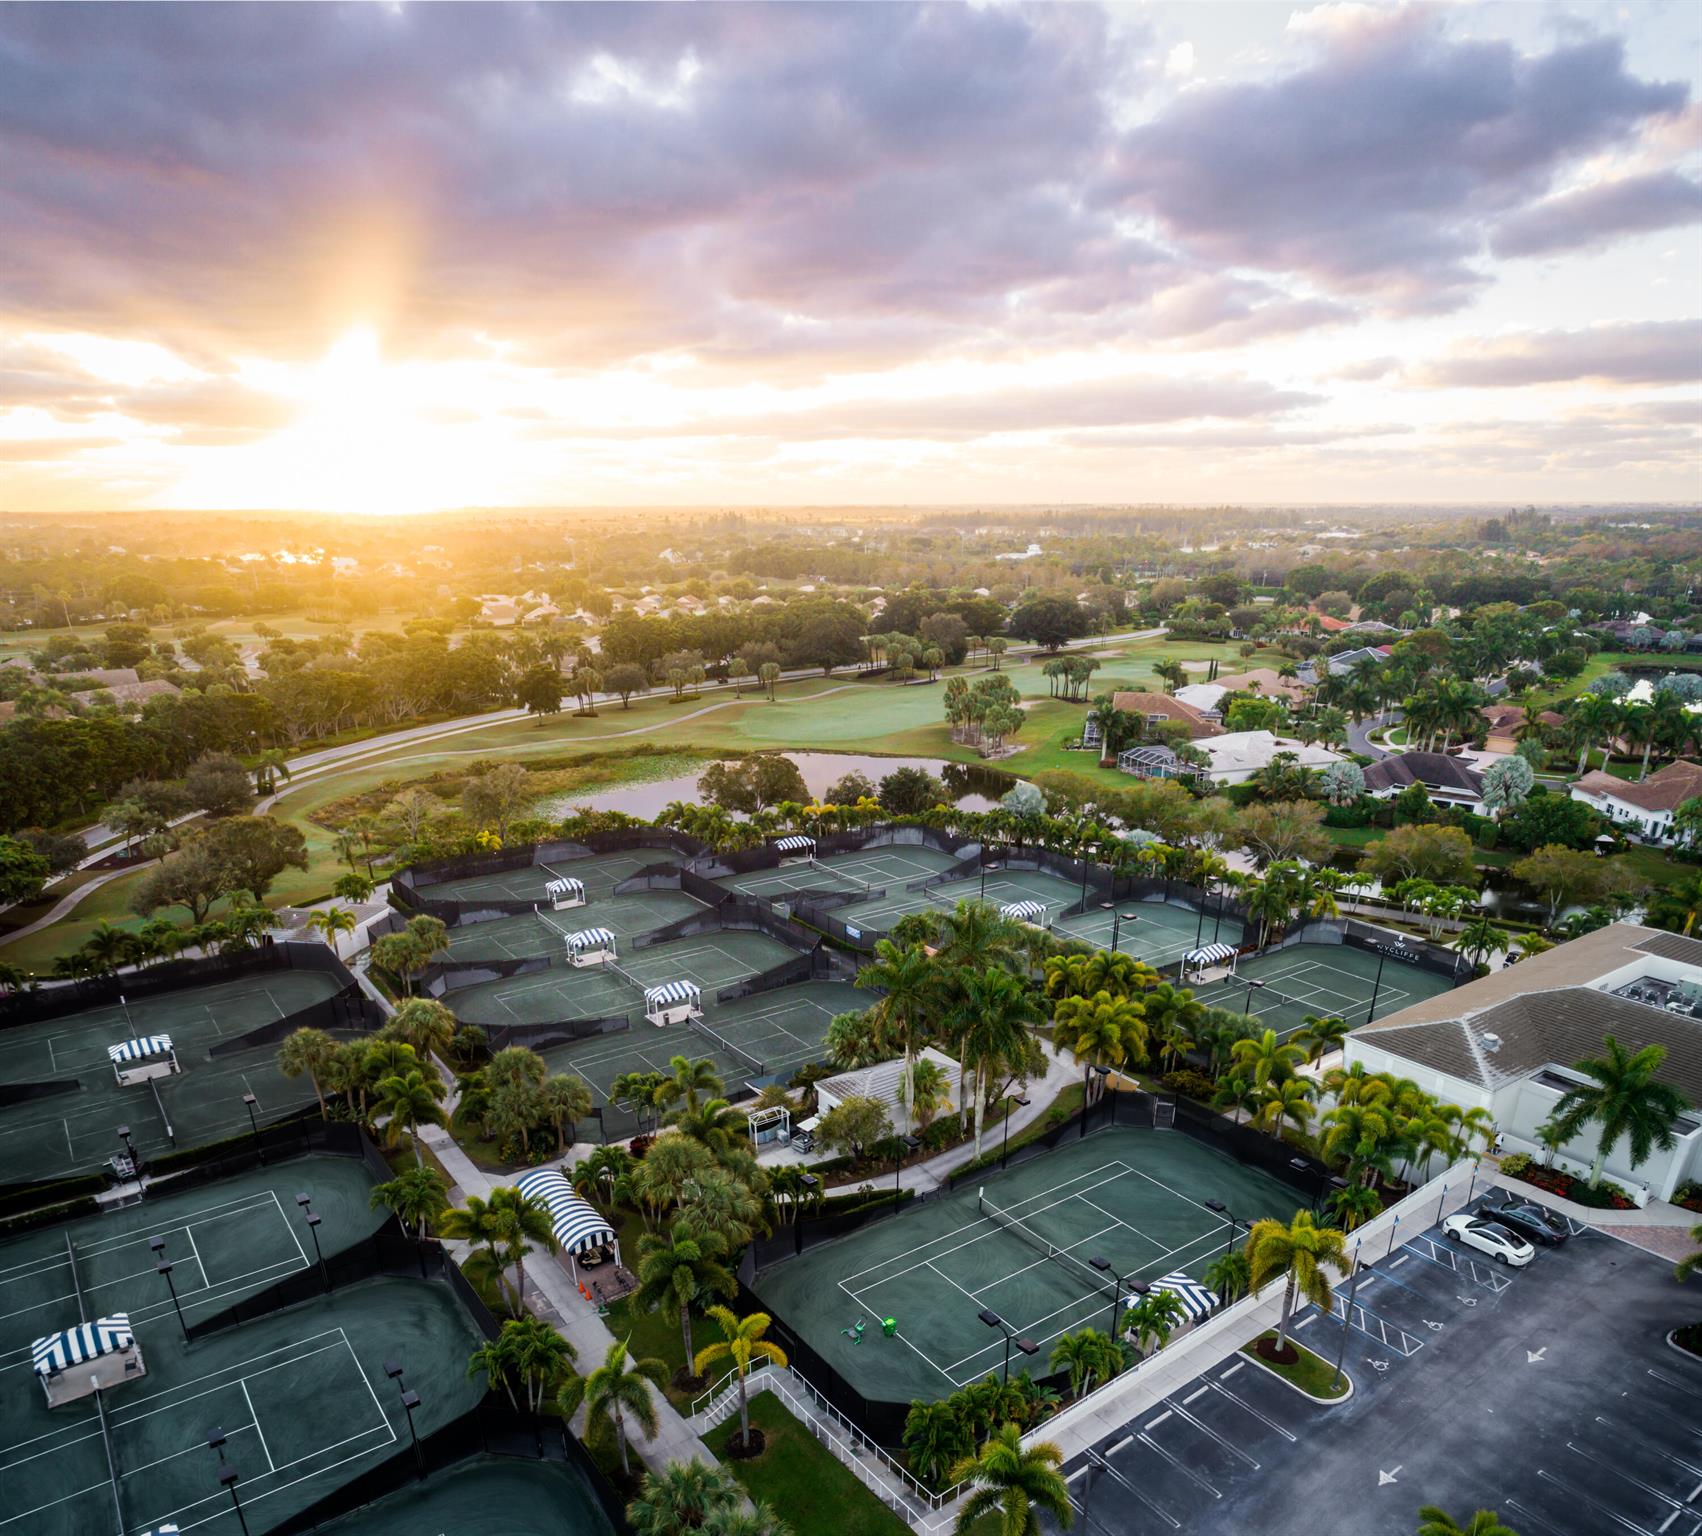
{"x": 1338, "y": 665}
{"x": 1505, "y": 722}
{"x": 1205, "y": 697}
{"x": 883, "y": 1083}
{"x": 1156, "y": 709}
{"x": 1268, "y": 683}
{"x": 1237, "y": 756}
{"x": 1447, "y": 780}
{"x": 1644, "y": 810}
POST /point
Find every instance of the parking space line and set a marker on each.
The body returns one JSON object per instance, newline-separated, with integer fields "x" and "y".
{"x": 1584, "y": 1498}
{"x": 1444, "y": 1257}
{"x": 1264, "y": 1419}
{"x": 1197, "y": 1392}
{"x": 1119, "y": 1445}
{"x": 1186, "y": 1471}
{"x": 1665, "y": 1498}
{"x": 1154, "y": 1423}
{"x": 1211, "y": 1434}
{"x": 1162, "y": 1513}
{"x": 1677, "y": 1461}
{"x": 1232, "y": 1370}
{"x": 1529, "y": 1517}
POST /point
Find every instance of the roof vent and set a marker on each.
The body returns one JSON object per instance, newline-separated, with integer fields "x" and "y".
{"x": 1491, "y": 1042}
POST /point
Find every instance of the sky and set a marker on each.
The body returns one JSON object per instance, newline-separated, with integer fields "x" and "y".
{"x": 396, "y": 258}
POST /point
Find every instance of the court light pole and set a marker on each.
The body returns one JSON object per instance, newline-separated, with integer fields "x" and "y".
{"x": 1200, "y": 927}
{"x": 1347, "y": 1321}
{"x": 227, "y": 1481}
{"x": 1138, "y": 1288}
{"x": 411, "y": 1401}
{"x": 1252, "y": 987}
{"x": 1004, "y": 1149}
{"x": 906, "y": 1144}
{"x": 248, "y": 1103}
{"x": 306, "y": 1204}
{"x": 1376, "y": 986}
{"x": 163, "y": 1267}
{"x": 1230, "y": 1217}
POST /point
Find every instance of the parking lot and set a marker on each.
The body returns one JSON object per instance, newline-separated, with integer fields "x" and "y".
{"x": 1547, "y": 1393}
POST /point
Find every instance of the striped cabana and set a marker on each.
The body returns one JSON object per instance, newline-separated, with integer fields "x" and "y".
{"x": 797, "y": 843}
{"x": 565, "y": 889}
{"x": 136, "y": 1050}
{"x": 1023, "y": 911}
{"x": 1197, "y": 1300}
{"x": 1209, "y": 954}
{"x": 671, "y": 994}
{"x": 578, "y": 1226}
{"x": 591, "y": 938}
{"x": 88, "y": 1341}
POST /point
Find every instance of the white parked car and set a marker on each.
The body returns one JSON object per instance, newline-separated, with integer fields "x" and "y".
{"x": 1499, "y": 1242}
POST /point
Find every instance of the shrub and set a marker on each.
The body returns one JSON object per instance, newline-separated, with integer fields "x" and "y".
{"x": 1359, "y": 814}
{"x": 1689, "y": 1196}
{"x": 1689, "y": 1337}
{"x": 639, "y": 1145}
{"x": 1196, "y": 1085}
{"x": 1516, "y": 1163}
{"x": 943, "y": 1132}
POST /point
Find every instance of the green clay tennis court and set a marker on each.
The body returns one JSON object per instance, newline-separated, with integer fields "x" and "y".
{"x": 75, "y": 1131}
{"x": 1135, "y": 1198}
{"x": 1158, "y": 932}
{"x": 781, "y": 1030}
{"x": 599, "y": 874}
{"x": 887, "y": 869}
{"x": 1000, "y": 887}
{"x": 709, "y": 960}
{"x": 544, "y": 933}
{"x": 1322, "y": 980}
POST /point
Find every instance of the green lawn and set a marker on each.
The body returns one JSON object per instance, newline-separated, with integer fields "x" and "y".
{"x": 800, "y": 1478}
{"x": 1311, "y": 1373}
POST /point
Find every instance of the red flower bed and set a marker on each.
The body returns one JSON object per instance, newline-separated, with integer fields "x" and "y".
{"x": 1569, "y": 1188}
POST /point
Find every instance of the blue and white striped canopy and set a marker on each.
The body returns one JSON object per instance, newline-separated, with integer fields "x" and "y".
{"x": 1209, "y": 954}
{"x": 670, "y": 992}
{"x": 1197, "y": 1300}
{"x": 796, "y": 844}
{"x": 87, "y": 1341}
{"x": 565, "y": 886}
{"x": 591, "y": 938}
{"x": 577, "y": 1225}
{"x": 135, "y": 1050}
{"x": 1023, "y": 911}
{"x": 168, "y": 1529}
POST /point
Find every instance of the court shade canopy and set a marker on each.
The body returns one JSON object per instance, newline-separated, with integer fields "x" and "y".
{"x": 1209, "y": 954}
{"x": 1197, "y": 1300}
{"x": 591, "y": 938}
{"x": 578, "y": 1226}
{"x": 795, "y": 844}
{"x": 139, "y": 1049}
{"x": 566, "y": 885}
{"x": 670, "y": 994}
{"x": 88, "y": 1341}
{"x": 1023, "y": 911}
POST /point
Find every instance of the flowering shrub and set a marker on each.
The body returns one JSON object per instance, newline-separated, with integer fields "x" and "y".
{"x": 1606, "y": 1195}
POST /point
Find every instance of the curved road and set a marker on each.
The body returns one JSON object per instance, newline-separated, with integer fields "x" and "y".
{"x": 1359, "y": 738}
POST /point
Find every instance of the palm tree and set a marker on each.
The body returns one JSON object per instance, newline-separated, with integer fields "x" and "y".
{"x": 417, "y": 1195}
{"x": 990, "y": 1024}
{"x": 679, "y": 1271}
{"x": 564, "y": 1099}
{"x": 741, "y": 1342}
{"x": 1103, "y": 1030}
{"x": 512, "y": 1218}
{"x": 471, "y": 1223}
{"x": 1153, "y": 1318}
{"x": 1354, "y": 1204}
{"x": 495, "y": 1359}
{"x": 1237, "y": 1094}
{"x": 1286, "y": 1100}
{"x": 1228, "y": 1273}
{"x": 1686, "y": 1267}
{"x": 690, "y": 1080}
{"x": 541, "y": 1356}
{"x": 1264, "y": 1058}
{"x": 1438, "y": 1522}
{"x": 909, "y": 982}
{"x": 1625, "y": 1100}
{"x": 1299, "y": 1251}
{"x": 1480, "y": 938}
{"x": 424, "y": 1024}
{"x": 598, "y": 1176}
{"x": 615, "y": 1389}
{"x": 687, "y": 1496}
{"x": 975, "y": 936}
{"x": 1016, "y": 1482}
{"x": 934, "y": 1438}
{"x": 1082, "y": 1355}
{"x": 410, "y": 1099}
{"x": 332, "y": 924}
{"x": 1320, "y": 1036}
{"x": 309, "y": 1051}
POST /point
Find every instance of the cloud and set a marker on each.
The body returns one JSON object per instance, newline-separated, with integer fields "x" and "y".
{"x": 1633, "y": 205}
{"x": 1377, "y": 169}
{"x": 1645, "y": 352}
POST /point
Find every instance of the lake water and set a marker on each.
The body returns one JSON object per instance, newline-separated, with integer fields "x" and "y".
{"x": 970, "y": 785}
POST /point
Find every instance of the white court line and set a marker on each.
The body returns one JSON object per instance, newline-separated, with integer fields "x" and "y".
{"x": 206, "y": 1279}
{"x": 271, "y": 1466}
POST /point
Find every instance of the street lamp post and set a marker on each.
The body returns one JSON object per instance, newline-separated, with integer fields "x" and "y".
{"x": 1376, "y": 986}
{"x": 249, "y": 1102}
{"x": 1347, "y": 1321}
{"x": 1200, "y": 927}
{"x": 810, "y": 1182}
{"x": 1004, "y": 1149}
{"x": 305, "y": 1202}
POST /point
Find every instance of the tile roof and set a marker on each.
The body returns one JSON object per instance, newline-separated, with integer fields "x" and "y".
{"x": 1171, "y": 709}
{"x": 1663, "y": 791}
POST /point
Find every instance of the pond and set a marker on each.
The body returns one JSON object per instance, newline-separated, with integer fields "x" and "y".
{"x": 973, "y": 786}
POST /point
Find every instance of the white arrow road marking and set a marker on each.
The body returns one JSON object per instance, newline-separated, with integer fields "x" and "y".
{"x": 1385, "y": 1478}
{"x": 1534, "y": 1355}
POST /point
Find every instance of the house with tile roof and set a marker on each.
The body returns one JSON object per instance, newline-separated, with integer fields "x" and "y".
{"x": 1645, "y": 809}
{"x": 1510, "y": 1042}
{"x": 1160, "y": 708}
{"x": 1505, "y": 721}
{"x": 1447, "y": 780}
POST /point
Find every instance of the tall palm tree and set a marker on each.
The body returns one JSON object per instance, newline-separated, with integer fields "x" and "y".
{"x": 331, "y": 924}
{"x": 688, "y": 1496}
{"x": 495, "y": 1360}
{"x": 1481, "y": 938}
{"x": 742, "y": 1342}
{"x": 541, "y": 1356}
{"x": 616, "y": 1388}
{"x": 975, "y": 936}
{"x": 934, "y": 1439}
{"x": 1299, "y": 1251}
{"x": 990, "y": 1024}
{"x": 565, "y": 1099}
{"x": 690, "y": 1081}
{"x": 1104, "y": 1030}
{"x": 410, "y": 1099}
{"x": 1626, "y": 1100}
{"x": 909, "y": 983}
{"x": 1319, "y": 1036}
{"x": 309, "y": 1051}
{"x": 679, "y": 1271}
{"x": 1264, "y": 1058}
{"x": 518, "y": 1222}
{"x": 471, "y": 1223}
{"x": 417, "y": 1195}
{"x": 1015, "y": 1482}
{"x": 1438, "y": 1522}
{"x": 425, "y": 1024}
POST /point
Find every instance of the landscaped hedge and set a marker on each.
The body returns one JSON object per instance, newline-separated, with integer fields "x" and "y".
{"x": 29, "y": 1196}
{"x": 1186, "y": 1080}
{"x": 1605, "y": 1196}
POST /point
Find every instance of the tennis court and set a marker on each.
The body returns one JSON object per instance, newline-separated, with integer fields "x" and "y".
{"x": 599, "y": 874}
{"x": 1158, "y": 932}
{"x": 781, "y": 1030}
{"x": 495, "y": 1496}
{"x": 1321, "y": 979}
{"x": 1000, "y": 887}
{"x": 46, "y": 1137}
{"x": 542, "y": 933}
{"x": 1135, "y": 1198}
{"x": 872, "y": 868}
{"x": 710, "y": 960}
{"x": 300, "y": 1396}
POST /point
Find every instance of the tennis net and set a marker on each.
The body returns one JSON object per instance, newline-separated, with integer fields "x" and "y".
{"x": 112, "y": 1472}
{"x": 844, "y": 881}
{"x": 76, "y": 1280}
{"x": 721, "y": 1043}
{"x": 1326, "y": 1005}
{"x": 1052, "y": 1251}
{"x": 625, "y": 975}
{"x": 550, "y": 922}
{"x": 159, "y": 1104}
